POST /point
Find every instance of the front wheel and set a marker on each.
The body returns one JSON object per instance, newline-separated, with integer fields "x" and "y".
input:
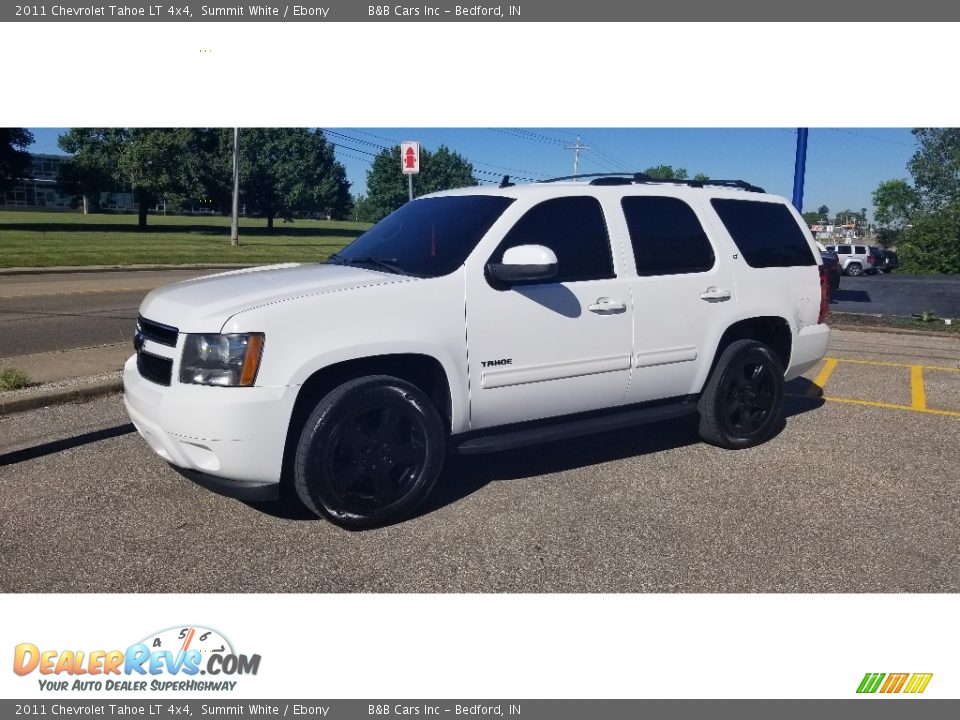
{"x": 742, "y": 403}
{"x": 370, "y": 452}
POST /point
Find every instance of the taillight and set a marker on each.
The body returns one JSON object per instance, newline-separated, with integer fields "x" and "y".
{"x": 824, "y": 294}
{"x": 871, "y": 259}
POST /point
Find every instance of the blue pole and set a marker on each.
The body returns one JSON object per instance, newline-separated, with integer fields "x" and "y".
{"x": 800, "y": 169}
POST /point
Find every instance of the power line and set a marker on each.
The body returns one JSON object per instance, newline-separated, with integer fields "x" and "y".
{"x": 871, "y": 137}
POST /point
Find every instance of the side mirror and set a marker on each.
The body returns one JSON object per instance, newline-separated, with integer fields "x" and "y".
{"x": 524, "y": 264}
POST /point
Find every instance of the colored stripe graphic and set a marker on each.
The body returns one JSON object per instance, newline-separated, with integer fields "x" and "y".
{"x": 918, "y": 683}
{"x": 894, "y": 682}
{"x": 870, "y": 682}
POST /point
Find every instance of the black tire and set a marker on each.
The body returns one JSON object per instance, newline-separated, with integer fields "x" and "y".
{"x": 854, "y": 269}
{"x": 370, "y": 452}
{"x": 742, "y": 402}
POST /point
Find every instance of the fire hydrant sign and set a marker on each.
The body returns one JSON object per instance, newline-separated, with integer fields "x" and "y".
{"x": 410, "y": 157}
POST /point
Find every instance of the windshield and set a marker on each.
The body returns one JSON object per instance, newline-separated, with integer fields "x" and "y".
{"x": 425, "y": 238}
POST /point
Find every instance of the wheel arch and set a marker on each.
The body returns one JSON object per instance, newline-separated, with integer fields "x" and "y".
{"x": 772, "y": 330}
{"x": 424, "y": 371}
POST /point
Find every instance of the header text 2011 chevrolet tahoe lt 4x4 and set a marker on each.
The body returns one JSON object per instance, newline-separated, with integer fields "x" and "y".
{"x": 476, "y": 320}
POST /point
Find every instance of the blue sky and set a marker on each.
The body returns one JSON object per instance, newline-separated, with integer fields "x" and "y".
{"x": 844, "y": 165}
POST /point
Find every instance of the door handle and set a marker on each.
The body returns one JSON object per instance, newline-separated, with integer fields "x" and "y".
{"x": 606, "y": 306}
{"x": 714, "y": 294}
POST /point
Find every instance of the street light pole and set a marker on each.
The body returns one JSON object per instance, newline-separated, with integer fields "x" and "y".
{"x": 800, "y": 169}
{"x": 235, "y": 219}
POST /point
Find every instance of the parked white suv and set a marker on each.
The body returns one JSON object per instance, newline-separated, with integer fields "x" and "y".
{"x": 476, "y": 320}
{"x": 854, "y": 259}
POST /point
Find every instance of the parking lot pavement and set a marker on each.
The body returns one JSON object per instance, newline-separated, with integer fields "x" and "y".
{"x": 857, "y": 493}
{"x": 898, "y": 294}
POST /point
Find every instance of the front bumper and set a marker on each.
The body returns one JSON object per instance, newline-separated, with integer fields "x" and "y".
{"x": 232, "y": 434}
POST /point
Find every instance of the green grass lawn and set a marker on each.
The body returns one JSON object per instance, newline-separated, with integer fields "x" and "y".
{"x": 40, "y": 239}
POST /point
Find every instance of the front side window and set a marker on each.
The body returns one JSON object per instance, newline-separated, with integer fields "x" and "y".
{"x": 425, "y": 238}
{"x": 574, "y": 228}
{"x": 667, "y": 237}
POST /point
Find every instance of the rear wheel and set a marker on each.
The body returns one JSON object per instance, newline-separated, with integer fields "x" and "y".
{"x": 854, "y": 269}
{"x": 370, "y": 452}
{"x": 742, "y": 403}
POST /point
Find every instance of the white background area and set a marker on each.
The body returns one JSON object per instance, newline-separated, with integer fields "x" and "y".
{"x": 476, "y": 75}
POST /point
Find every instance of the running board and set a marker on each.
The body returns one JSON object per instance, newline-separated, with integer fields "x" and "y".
{"x": 517, "y": 436}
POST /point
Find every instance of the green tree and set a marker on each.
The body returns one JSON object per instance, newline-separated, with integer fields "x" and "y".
{"x": 167, "y": 163}
{"x": 895, "y": 202}
{"x": 824, "y": 212}
{"x": 935, "y": 167}
{"x": 363, "y": 210}
{"x": 812, "y": 217}
{"x": 151, "y": 162}
{"x": 387, "y": 188}
{"x": 92, "y": 167}
{"x": 284, "y": 172}
{"x": 924, "y": 218}
{"x": 701, "y": 177}
{"x": 14, "y": 158}
{"x": 666, "y": 172}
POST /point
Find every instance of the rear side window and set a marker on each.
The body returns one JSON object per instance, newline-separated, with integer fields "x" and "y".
{"x": 766, "y": 233}
{"x": 574, "y": 228}
{"x": 666, "y": 235}
{"x": 861, "y": 250}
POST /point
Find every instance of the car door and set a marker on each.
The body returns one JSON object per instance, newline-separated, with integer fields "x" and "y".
{"x": 683, "y": 296}
{"x": 556, "y": 347}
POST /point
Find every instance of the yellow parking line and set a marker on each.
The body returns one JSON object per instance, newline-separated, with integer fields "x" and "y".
{"x": 900, "y": 365}
{"x": 818, "y": 382}
{"x": 918, "y": 395}
{"x": 886, "y": 406}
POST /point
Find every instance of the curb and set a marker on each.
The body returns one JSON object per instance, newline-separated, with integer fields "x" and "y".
{"x": 62, "y": 269}
{"x": 60, "y": 395}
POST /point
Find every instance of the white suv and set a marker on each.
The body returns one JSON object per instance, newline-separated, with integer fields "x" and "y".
{"x": 476, "y": 320}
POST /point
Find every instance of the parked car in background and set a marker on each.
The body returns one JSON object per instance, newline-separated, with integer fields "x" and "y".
{"x": 831, "y": 265}
{"x": 854, "y": 259}
{"x": 890, "y": 261}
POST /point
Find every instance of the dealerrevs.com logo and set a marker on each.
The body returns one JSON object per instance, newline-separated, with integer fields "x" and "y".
{"x": 172, "y": 659}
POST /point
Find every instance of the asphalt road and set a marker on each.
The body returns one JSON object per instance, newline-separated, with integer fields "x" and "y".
{"x": 62, "y": 311}
{"x": 896, "y": 294}
{"x": 851, "y": 496}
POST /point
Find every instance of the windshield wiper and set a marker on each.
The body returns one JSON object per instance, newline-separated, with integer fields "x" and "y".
{"x": 388, "y": 264}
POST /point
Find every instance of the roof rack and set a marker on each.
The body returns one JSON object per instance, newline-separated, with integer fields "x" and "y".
{"x": 640, "y": 178}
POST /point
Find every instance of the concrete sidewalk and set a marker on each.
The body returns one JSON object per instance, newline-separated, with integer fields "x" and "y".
{"x": 65, "y": 376}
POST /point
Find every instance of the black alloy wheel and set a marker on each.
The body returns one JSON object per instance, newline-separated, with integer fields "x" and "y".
{"x": 742, "y": 402}
{"x": 370, "y": 452}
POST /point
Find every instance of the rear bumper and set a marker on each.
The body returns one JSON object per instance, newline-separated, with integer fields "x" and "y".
{"x": 809, "y": 347}
{"x": 233, "y": 434}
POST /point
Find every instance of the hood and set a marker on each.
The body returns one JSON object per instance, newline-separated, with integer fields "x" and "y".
{"x": 204, "y": 304}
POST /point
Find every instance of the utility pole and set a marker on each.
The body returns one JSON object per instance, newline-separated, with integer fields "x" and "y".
{"x": 576, "y": 154}
{"x": 235, "y": 218}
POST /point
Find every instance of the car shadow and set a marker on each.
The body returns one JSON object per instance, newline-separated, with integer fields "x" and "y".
{"x": 858, "y": 296}
{"x": 463, "y": 475}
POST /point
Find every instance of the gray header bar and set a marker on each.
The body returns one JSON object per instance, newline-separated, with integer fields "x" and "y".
{"x": 874, "y": 708}
{"x": 510, "y": 11}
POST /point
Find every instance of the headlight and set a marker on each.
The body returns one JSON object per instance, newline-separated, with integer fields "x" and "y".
{"x": 228, "y": 360}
